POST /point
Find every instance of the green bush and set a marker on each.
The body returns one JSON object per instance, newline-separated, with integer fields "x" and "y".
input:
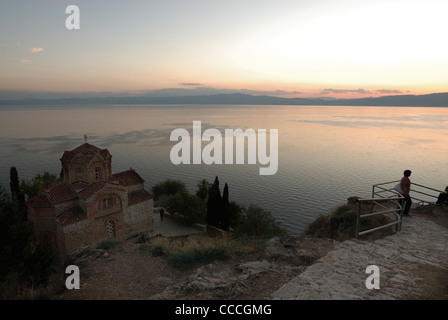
{"x": 191, "y": 208}
{"x": 257, "y": 222}
{"x": 22, "y": 266}
{"x": 167, "y": 188}
{"x": 107, "y": 244}
{"x": 158, "y": 251}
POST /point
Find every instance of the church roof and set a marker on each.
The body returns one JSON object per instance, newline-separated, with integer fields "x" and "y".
{"x": 127, "y": 178}
{"x": 91, "y": 190}
{"x": 86, "y": 150}
{"x": 64, "y": 191}
{"x": 71, "y": 215}
{"x": 56, "y": 193}
{"x": 138, "y": 196}
{"x": 41, "y": 201}
{"x": 80, "y": 185}
{"x": 60, "y": 192}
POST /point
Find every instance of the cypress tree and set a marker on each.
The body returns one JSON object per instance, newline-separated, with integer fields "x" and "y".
{"x": 16, "y": 193}
{"x": 225, "y": 218}
{"x": 214, "y": 206}
{"x": 14, "y": 182}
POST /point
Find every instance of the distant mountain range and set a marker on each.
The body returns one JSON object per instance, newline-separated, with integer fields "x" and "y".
{"x": 428, "y": 100}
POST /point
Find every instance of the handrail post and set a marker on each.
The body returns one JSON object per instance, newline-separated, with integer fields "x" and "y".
{"x": 401, "y": 216}
{"x": 358, "y": 217}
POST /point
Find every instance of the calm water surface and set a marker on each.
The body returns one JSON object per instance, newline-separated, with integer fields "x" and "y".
{"x": 326, "y": 154}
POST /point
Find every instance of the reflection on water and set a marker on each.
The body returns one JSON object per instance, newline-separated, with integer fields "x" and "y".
{"x": 326, "y": 154}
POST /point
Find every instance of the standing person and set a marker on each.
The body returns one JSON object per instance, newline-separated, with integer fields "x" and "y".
{"x": 161, "y": 212}
{"x": 405, "y": 185}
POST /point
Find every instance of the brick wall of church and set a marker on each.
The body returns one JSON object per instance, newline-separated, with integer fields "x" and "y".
{"x": 140, "y": 216}
{"x": 76, "y": 235}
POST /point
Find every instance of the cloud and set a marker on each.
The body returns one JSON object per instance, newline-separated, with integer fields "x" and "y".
{"x": 338, "y": 91}
{"x": 190, "y": 84}
{"x": 200, "y": 90}
{"x": 25, "y": 61}
{"x": 360, "y": 91}
{"x": 268, "y": 92}
{"x": 38, "y": 49}
{"x": 389, "y": 91}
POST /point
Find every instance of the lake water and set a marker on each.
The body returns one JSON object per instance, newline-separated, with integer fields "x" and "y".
{"x": 325, "y": 154}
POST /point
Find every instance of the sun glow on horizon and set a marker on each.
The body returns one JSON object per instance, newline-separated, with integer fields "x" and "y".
{"x": 365, "y": 44}
{"x": 356, "y": 48}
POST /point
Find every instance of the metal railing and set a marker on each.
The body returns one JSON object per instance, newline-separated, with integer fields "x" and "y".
{"x": 415, "y": 189}
{"x": 398, "y": 212}
{"x": 385, "y": 192}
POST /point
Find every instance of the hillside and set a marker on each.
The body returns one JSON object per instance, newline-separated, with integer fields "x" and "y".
{"x": 414, "y": 269}
{"x": 429, "y": 100}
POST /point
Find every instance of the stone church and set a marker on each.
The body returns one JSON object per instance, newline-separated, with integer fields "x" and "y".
{"x": 90, "y": 203}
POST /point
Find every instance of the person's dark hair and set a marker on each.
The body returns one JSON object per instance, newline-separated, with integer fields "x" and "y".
{"x": 446, "y": 189}
{"x": 407, "y": 173}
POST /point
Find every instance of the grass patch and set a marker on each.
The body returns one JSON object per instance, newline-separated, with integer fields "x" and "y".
{"x": 158, "y": 251}
{"x": 185, "y": 260}
{"x": 107, "y": 244}
{"x": 185, "y": 252}
{"x": 12, "y": 288}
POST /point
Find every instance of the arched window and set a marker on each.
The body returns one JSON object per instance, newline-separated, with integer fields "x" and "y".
{"x": 98, "y": 174}
{"x": 108, "y": 203}
{"x": 111, "y": 229}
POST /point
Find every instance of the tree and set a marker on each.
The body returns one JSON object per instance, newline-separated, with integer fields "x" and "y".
{"x": 21, "y": 264}
{"x": 225, "y": 215}
{"x": 236, "y": 212}
{"x": 16, "y": 192}
{"x": 32, "y": 187}
{"x": 14, "y": 184}
{"x": 169, "y": 187}
{"x": 256, "y": 222}
{"x": 203, "y": 189}
{"x": 190, "y": 207}
{"x": 214, "y": 205}
{"x": 15, "y": 237}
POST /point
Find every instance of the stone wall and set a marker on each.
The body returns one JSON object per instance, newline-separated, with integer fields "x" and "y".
{"x": 140, "y": 216}
{"x": 75, "y": 235}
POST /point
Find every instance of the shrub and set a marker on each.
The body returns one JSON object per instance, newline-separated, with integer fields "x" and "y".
{"x": 257, "y": 222}
{"x": 191, "y": 208}
{"x": 341, "y": 224}
{"x": 107, "y": 244}
{"x": 158, "y": 251}
{"x": 167, "y": 188}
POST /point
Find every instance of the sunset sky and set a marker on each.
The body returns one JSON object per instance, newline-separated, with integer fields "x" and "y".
{"x": 290, "y": 48}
